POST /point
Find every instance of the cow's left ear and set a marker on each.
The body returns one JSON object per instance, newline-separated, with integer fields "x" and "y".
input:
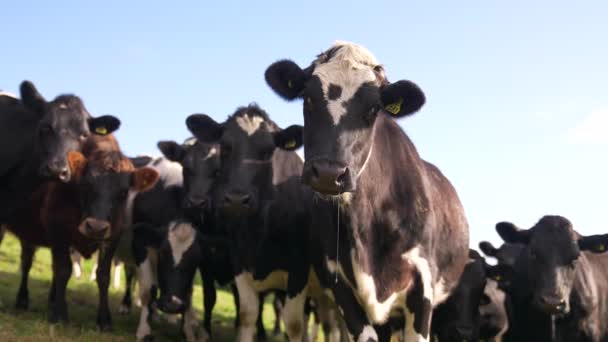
{"x": 594, "y": 243}
{"x": 143, "y": 179}
{"x": 286, "y": 78}
{"x": 104, "y": 124}
{"x": 31, "y": 98}
{"x": 402, "y": 98}
{"x": 290, "y": 138}
{"x": 511, "y": 234}
{"x": 77, "y": 163}
{"x": 204, "y": 128}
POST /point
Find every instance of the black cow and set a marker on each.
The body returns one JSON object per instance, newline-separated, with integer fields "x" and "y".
{"x": 559, "y": 286}
{"x": 264, "y": 210}
{"x": 35, "y": 137}
{"x": 506, "y": 254}
{"x": 396, "y": 211}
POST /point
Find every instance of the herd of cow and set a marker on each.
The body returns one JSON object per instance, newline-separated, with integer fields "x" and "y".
{"x": 364, "y": 234}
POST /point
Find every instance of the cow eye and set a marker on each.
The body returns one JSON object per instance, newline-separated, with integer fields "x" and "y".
{"x": 84, "y": 136}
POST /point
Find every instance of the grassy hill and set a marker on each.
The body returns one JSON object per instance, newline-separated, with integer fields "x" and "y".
{"x": 82, "y": 305}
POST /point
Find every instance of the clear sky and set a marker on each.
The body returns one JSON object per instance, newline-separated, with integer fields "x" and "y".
{"x": 517, "y": 110}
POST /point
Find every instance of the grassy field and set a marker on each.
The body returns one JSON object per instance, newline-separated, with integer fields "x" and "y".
{"x": 82, "y": 305}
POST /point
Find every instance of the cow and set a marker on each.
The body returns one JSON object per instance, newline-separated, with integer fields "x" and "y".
{"x": 557, "y": 293}
{"x": 392, "y": 211}
{"x": 506, "y": 254}
{"x": 35, "y": 137}
{"x": 85, "y": 214}
{"x": 264, "y": 210}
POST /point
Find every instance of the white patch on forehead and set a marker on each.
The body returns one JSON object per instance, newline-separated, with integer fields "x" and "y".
{"x": 249, "y": 124}
{"x": 6, "y": 93}
{"x": 170, "y": 173}
{"x": 349, "y": 67}
{"x": 190, "y": 141}
{"x": 181, "y": 237}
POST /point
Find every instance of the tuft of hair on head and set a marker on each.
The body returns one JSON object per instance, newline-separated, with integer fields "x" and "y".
{"x": 357, "y": 56}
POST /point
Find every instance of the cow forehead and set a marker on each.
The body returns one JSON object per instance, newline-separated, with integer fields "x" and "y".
{"x": 249, "y": 124}
{"x": 181, "y": 238}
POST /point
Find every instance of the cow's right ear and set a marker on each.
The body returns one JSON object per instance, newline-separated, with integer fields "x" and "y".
{"x": 290, "y": 138}
{"x": 511, "y": 234}
{"x": 31, "y": 98}
{"x": 286, "y": 78}
{"x": 172, "y": 150}
{"x": 77, "y": 163}
{"x": 204, "y": 128}
{"x": 488, "y": 249}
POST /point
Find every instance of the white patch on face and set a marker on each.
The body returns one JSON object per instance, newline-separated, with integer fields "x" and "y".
{"x": 211, "y": 153}
{"x": 181, "y": 237}
{"x": 169, "y": 172}
{"x": 368, "y": 333}
{"x": 248, "y": 311}
{"x": 349, "y": 68}
{"x": 249, "y": 124}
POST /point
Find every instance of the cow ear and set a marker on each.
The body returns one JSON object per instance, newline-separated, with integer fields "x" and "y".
{"x": 172, "y": 150}
{"x": 204, "y": 128}
{"x": 594, "y": 243}
{"x": 144, "y": 179}
{"x": 488, "y": 249}
{"x": 402, "y": 98}
{"x": 77, "y": 163}
{"x": 31, "y": 98}
{"x": 286, "y": 78}
{"x": 290, "y": 138}
{"x": 503, "y": 274}
{"x": 104, "y": 124}
{"x": 511, "y": 234}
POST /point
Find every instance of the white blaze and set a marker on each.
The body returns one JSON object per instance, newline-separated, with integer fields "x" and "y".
{"x": 181, "y": 237}
{"x": 249, "y": 124}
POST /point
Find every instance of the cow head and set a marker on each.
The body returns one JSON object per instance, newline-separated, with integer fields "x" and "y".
{"x": 64, "y": 125}
{"x": 248, "y": 141}
{"x": 344, "y": 91}
{"x": 104, "y": 184}
{"x": 551, "y": 257}
{"x": 200, "y": 168}
{"x": 506, "y": 254}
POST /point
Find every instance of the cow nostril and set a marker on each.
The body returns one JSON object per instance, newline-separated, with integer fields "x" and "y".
{"x": 64, "y": 175}
{"x": 315, "y": 172}
{"x": 342, "y": 177}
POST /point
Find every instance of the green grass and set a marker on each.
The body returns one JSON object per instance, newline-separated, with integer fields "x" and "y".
{"x": 82, "y": 305}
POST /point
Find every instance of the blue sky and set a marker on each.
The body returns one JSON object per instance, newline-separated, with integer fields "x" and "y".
{"x": 517, "y": 111}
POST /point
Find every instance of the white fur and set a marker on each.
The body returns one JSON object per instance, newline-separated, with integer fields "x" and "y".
{"x": 249, "y": 124}
{"x": 248, "y": 313}
{"x": 422, "y": 266}
{"x": 181, "y": 238}
{"x": 368, "y": 333}
{"x": 211, "y": 153}
{"x": 117, "y": 272}
{"x": 6, "y": 93}
{"x": 170, "y": 173}
{"x": 146, "y": 275}
{"x": 293, "y": 316}
{"x": 350, "y": 67}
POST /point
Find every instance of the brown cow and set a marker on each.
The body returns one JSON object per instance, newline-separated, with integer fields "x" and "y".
{"x": 84, "y": 214}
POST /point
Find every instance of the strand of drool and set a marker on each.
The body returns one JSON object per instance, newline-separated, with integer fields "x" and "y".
{"x": 338, "y": 243}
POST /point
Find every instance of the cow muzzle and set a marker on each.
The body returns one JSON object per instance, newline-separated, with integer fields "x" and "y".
{"x": 171, "y": 305}
{"x": 552, "y": 305}
{"x": 94, "y": 228}
{"x": 238, "y": 202}
{"x": 327, "y": 177}
{"x": 58, "y": 171}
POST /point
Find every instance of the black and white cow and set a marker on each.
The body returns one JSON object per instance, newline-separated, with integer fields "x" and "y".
{"x": 264, "y": 210}
{"x": 35, "y": 137}
{"x": 560, "y": 283}
{"x": 396, "y": 210}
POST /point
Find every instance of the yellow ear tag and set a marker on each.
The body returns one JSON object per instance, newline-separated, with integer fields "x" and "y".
{"x": 498, "y": 278}
{"x": 290, "y": 144}
{"x": 394, "y": 108}
{"x": 601, "y": 247}
{"x": 101, "y": 130}
{"x": 290, "y": 84}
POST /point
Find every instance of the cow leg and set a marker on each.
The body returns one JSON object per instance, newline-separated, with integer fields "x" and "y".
{"x": 248, "y": 309}
{"x": 147, "y": 280}
{"x": 104, "y": 261}
{"x": 293, "y": 314}
{"x": 419, "y": 310}
{"x": 327, "y": 315}
{"x": 277, "y": 303}
{"x": 209, "y": 298}
{"x": 191, "y": 329}
{"x": 355, "y": 317}
{"x": 62, "y": 269}
{"x": 116, "y": 278}
{"x": 237, "y": 305}
{"x": 261, "y": 331}
{"x": 76, "y": 263}
{"x": 125, "y": 306}
{"x": 27, "y": 256}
